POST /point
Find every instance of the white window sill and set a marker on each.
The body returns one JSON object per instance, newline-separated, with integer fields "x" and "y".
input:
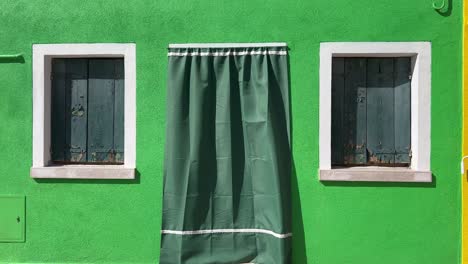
{"x": 375, "y": 174}
{"x": 83, "y": 172}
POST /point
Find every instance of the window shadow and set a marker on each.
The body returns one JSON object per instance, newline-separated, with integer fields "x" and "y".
{"x": 299, "y": 254}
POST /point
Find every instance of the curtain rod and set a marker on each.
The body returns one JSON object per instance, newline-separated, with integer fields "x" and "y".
{"x": 229, "y": 45}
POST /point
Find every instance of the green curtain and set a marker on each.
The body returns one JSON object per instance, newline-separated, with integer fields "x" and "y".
{"x": 228, "y": 157}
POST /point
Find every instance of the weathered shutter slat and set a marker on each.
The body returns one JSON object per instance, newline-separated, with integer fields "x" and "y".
{"x": 402, "y": 109}
{"x": 380, "y": 111}
{"x": 58, "y": 109}
{"x": 354, "y": 118}
{"x": 119, "y": 111}
{"x": 101, "y": 110}
{"x": 337, "y": 110}
{"x": 76, "y": 109}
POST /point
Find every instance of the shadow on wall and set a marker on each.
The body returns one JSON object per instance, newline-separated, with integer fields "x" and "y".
{"x": 298, "y": 239}
{"x": 298, "y": 242}
{"x": 447, "y": 6}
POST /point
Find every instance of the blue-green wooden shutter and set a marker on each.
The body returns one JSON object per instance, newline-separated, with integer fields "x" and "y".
{"x": 402, "y": 110}
{"x": 58, "y": 109}
{"x": 380, "y": 111}
{"x": 87, "y": 110}
{"x": 371, "y": 111}
{"x": 354, "y": 118}
{"x": 69, "y": 107}
{"x": 101, "y": 110}
{"x": 119, "y": 110}
{"x": 338, "y": 86}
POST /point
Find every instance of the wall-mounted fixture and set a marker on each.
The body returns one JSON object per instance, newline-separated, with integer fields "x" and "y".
{"x": 462, "y": 165}
{"x": 12, "y": 58}
{"x": 438, "y": 6}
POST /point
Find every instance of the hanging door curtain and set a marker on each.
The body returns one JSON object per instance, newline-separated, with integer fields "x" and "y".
{"x": 228, "y": 156}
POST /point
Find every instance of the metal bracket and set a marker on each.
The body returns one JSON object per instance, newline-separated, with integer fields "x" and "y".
{"x": 462, "y": 165}
{"x": 435, "y": 6}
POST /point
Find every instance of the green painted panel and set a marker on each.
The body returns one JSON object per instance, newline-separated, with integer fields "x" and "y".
{"x": 354, "y": 124}
{"x": 58, "y": 109}
{"x": 101, "y": 110}
{"x": 12, "y": 218}
{"x": 76, "y": 109}
{"x": 119, "y": 110}
{"x": 380, "y": 111}
{"x": 402, "y": 110}
{"x": 338, "y": 79}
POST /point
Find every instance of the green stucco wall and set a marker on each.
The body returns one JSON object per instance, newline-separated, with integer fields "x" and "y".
{"x": 110, "y": 221}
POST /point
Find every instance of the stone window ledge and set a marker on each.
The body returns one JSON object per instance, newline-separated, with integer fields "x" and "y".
{"x": 375, "y": 174}
{"x": 83, "y": 172}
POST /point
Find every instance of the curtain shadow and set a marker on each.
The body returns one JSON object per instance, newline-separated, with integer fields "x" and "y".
{"x": 298, "y": 242}
{"x": 299, "y": 254}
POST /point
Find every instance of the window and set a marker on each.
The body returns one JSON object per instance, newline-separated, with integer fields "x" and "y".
{"x": 375, "y": 111}
{"x": 84, "y": 111}
{"x": 371, "y": 111}
{"x": 87, "y": 111}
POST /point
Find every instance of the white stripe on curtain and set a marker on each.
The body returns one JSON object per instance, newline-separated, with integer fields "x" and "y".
{"x": 217, "y": 231}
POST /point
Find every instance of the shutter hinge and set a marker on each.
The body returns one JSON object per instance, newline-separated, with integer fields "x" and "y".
{"x": 51, "y": 76}
{"x": 410, "y": 76}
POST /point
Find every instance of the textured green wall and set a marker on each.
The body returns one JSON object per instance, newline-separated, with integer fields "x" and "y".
{"x": 119, "y": 221}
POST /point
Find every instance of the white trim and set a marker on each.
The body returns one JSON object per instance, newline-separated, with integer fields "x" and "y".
{"x": 420, "y": 93}
{"x": 375, "y": 174}
{"x": 42, "y": 56}
{"x": 221, "y": 231}
{"x": 229, "y": 53}
{"x": 84, "y": 172}
{"x": 229, "y": 45}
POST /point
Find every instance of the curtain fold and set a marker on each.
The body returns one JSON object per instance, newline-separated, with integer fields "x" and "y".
{"x": 228, "y": 157}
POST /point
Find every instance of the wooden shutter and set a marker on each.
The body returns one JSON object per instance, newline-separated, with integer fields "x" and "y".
{"x": 119, "y": 111}
{"x": 380, "y": 111}
{"x": 402, "y": 110}
{"x": 58, "y": 109}
{"x": 69, "y": 108}
{"x": 337, "y": 142}
{"x": 371, "y": 111}
{"x": 87, "y": 110}
{"x": 354, "y": 118}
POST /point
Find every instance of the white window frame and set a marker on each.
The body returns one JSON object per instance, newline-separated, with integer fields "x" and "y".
{"x": 420, "y": 53}
{"x": 42, "y": 167}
